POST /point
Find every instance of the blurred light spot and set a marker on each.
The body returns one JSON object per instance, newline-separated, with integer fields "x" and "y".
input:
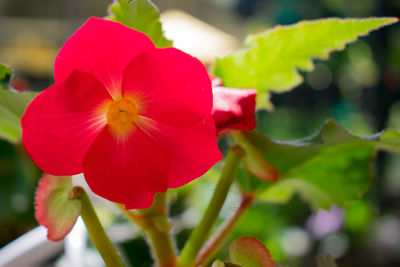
{"x": 122, "y": 231}
{"x": 363, "y": 68}
{"x": 336, "y": 245}
{"x": 196, "y": 37}
{"x": 336, "y": 5}
{"x": 75, "y": 245}
{"x": 386, "y": 235}
{"x": 190, "y": 218}
{"x": 366, "y": 73}
{"x": 19, "y": 202}
{"x": 325, "y": 222}
{"x": 75, "y": 241}
{"x": 392, "y": 175}
{"x": 30, "y": 52}
{"x": 348, "y": 87}
{"x": 296, "y": 242}
{"x": 320, "y": 78}
{"x": 93, "y": 258}
{"x": 232, "y": 203}
{"x": 394, "y": 115}
{"x": 359, "y": 51}
{"x": 224, "y": 3}
{"x": 359, "y": 123}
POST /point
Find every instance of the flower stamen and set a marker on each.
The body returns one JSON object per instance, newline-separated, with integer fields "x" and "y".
{"x": 121, "y": 115}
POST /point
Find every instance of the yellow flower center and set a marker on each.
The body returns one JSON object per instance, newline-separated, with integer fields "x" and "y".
{"x": 121, "y": 115}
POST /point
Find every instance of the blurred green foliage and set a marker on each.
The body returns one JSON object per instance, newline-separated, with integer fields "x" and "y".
{"x": 18, "y": 179}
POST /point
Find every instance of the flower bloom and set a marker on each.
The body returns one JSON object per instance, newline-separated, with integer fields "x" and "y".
{"x": 133, "y": 118}
{"x": 233, "y": 109}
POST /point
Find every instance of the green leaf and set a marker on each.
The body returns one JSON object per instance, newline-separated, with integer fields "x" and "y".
{"x": 5, "y": 74}
{"x": 330, "y": 167}
{"x": 250, "y": 252}
{"x": 12, "y": 106}
{"x": 141, "y": 15}
{"x": 272, "y": 59}
{"x": 54, "y": 206}
{"x": 326, "y": 261}
{"x": 218, "y": 263}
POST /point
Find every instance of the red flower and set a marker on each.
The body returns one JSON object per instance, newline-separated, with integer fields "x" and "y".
{"x": 233, "y": 109}
{"x": 134, "y": 119}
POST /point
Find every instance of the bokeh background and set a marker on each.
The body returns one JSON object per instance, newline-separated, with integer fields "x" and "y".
{"x": 359, "y": 87}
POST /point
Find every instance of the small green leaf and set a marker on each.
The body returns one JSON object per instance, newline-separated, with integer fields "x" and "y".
{"x": 326, "y": 261}
{"x": 54, "y": 207}
{"x": 250, "y": 252}
{"x": 12, "y": 106}
{"x": 330, "y": 167}
{"x": 218, "y": 263}
{"x": 141, "y": 15}
{"x": 271, "y": 59}
{"x": 5, "y": 74}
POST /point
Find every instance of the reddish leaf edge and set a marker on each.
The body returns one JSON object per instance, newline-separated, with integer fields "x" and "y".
{"x": 255, "y": 246}
{"x": 43, "y": 192}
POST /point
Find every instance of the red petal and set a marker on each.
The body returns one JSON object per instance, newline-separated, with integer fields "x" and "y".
{"x": 60, "y": 124}
{"x": 192, "y": 150}
{"x": 126, "y": 171}
{"x": 234, "y": 109}
{"x": 102, "y": 48}
{"x": 170, "y": 87}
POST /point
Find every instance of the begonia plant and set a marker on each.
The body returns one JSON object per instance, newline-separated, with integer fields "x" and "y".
{"x": 137, "y": 117}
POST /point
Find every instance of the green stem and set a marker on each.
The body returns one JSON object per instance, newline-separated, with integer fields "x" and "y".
{"x": 96, "y": 232}
{"x": 202, "y": 231}
{"x": 215, "y": 243}
{"x": 154, "y": 222}
{"x": 162, "y": 247}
